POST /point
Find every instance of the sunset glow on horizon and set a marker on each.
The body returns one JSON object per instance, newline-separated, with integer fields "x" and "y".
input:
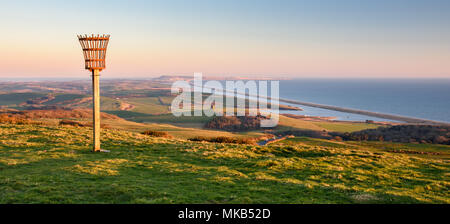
{"x": 401, "y": 39}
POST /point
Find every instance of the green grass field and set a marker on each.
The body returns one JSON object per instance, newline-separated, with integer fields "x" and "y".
{"x": 53, "y": 164}
{"x": 17, "y": 98}
{"x": 147, "y": 105}
{"x": 345, "y": 126}
{"x": 64, "y": 97}
{"x": 176, "y": 131}
{"x": 106, "y": 104}
{"x": 443, "y": 151}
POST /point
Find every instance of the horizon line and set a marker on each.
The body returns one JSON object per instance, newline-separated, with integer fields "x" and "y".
{"x": 31, "y": 79}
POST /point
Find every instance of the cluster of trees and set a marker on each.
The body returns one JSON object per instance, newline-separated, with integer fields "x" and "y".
{"x": 399, "y": 133}
{"x": 402, "y": 133}
{"x": 234, "y": 123}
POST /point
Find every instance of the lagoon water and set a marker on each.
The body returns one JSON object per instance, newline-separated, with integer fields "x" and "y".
{"x": 421, "y": 98}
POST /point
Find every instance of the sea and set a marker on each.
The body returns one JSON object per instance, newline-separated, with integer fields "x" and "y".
{"x": 420, "y": 98}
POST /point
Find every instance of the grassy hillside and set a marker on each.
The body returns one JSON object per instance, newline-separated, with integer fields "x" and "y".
{"x": 148, "y": 105}
{"x": 412, "y": 149}
{"x": 175, "y": 131}
{"x": 61, "y": 98}
{"x": 51, "y": 164}
{"x": 345, "y": 126}
{"x": 16, "y": 98}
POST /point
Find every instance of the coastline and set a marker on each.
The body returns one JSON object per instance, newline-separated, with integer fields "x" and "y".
{"x": 402, "y": 118}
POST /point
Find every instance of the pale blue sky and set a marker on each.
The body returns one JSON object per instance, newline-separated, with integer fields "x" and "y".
{"x": 322, "y": 38}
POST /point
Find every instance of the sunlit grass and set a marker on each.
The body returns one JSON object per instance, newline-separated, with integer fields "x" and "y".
{"x": 51, "y": 164}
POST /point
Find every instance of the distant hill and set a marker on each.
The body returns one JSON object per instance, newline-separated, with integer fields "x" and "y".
{"x": 54, "y": 114}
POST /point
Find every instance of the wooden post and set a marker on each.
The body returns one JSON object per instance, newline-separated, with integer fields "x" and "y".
{"x": 94, "y": 51}
{"x": 96, "y": 108}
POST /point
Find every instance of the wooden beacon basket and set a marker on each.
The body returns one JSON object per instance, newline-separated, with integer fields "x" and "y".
{"x": 94, "y": 50}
